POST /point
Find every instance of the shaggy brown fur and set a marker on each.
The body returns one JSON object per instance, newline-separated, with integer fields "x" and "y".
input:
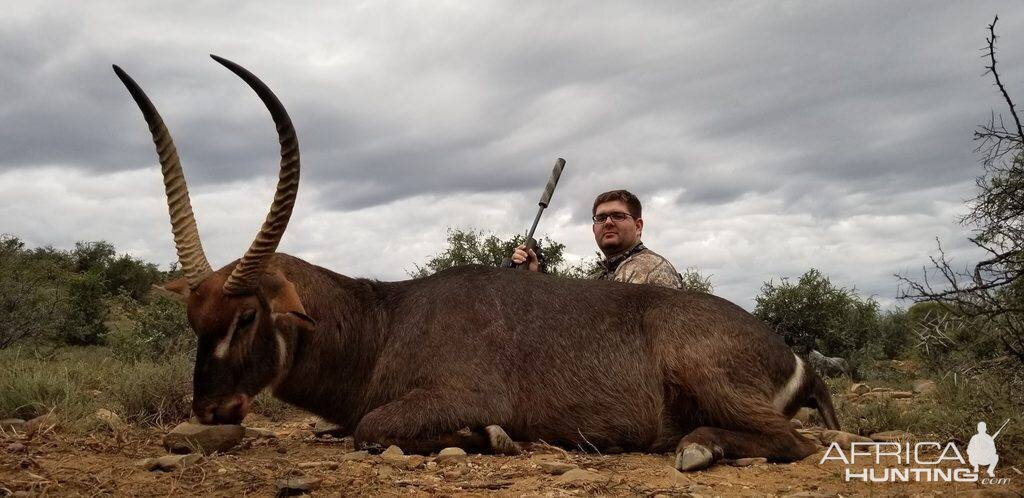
{"x": 582, "y": 363}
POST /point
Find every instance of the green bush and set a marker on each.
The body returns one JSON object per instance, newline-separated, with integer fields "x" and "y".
{"x": 31, "y": 298}
{"x": 149, "y": 330}
{"x": 86, "y": 311}
{"x": 815, "y": 314}
{"x": 476, "y": 247}
{"x": 693, "y": 280}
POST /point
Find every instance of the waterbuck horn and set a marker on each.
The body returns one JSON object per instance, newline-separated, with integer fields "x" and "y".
{"x": 244, "y": 277}
{"x": 183, "y": 223}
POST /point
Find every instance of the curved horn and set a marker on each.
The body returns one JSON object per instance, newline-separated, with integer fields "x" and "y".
{"x": 183, "y": 223}
{"x": 244, "y": 277}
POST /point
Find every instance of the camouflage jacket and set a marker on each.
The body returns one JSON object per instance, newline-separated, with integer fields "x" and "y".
{"x": 640, "y": 265}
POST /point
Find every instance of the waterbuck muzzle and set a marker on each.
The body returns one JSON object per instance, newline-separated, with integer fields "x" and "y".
{"x": 245, "y": 314}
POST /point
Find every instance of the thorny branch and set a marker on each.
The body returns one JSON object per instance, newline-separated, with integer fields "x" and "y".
{"x": 992, "y": 291}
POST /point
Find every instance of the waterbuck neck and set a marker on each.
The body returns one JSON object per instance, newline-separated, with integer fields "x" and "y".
{"x": 329, "y": 368}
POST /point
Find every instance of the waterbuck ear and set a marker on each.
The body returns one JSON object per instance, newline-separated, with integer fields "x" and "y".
{"x": 304, "y": 317}
{"x": 294, "y": 320}
{"x": 176, "y": 289}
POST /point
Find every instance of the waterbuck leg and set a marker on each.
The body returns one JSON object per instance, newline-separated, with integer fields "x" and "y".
{"x": 425, "y": 421}
{"x": 705, "y": 445}
{"x": 735, "y": 422}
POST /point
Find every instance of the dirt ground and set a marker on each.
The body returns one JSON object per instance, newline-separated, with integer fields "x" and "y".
{"x": 107, "y": 463}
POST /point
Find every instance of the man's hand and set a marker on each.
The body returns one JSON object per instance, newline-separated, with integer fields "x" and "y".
{"x": 521, "y": 254}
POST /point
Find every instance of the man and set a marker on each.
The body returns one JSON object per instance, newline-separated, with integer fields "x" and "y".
{"x": 617, "y": 229}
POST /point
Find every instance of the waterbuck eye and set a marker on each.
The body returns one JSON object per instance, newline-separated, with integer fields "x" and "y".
{"x": 246, "y": 319}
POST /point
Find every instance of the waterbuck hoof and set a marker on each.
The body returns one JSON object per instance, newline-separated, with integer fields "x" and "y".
{"x": 501, "y": 443}
{"x": 694, "y": 457}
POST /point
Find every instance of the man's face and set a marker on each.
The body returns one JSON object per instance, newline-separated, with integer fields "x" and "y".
{"x": 616, "y": 236}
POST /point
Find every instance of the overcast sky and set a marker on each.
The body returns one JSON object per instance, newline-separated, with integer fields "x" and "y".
{"x": 764, "y": 138}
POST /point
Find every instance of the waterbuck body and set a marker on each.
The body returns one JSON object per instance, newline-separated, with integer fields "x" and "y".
{"x": 584, "y": 363}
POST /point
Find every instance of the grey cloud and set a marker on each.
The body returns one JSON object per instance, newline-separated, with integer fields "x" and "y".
{"x": 827, "y": 112}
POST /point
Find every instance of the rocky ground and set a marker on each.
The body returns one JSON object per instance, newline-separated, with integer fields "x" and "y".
{"x": 289, "y": 457}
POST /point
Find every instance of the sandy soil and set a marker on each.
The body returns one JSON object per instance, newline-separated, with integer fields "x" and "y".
{"x": 106, "y": 463}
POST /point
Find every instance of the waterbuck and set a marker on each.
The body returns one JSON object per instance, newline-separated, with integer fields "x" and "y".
{"x": 587, "y": 363}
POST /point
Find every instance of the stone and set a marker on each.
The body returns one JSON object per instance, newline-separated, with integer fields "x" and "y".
{"x": 297, "y": 485}
{"x": 258, "y": 433}
{"x": 451, "y": 456}
{"x": 12, "y": 425}
{"x": 187, "y": 437}
{"x": 923, "y": 386}
{"x": 169, "y": 462}
{"x": 395, "y": 459}
{"x": 322, "y": 464}
{"x": 454, "y": 472}
{"x": 860, "y": 388}
{"x": 555, "y": 468}
{"x": 41, "y": 423}
{"x": 881, "y": 389}
{"x": 323, "y": 428}
{"x": 579, "y": 476}
{"x": 810, "y": 494}
{"x": 892, "y": 437}
{"x": 747, "y": 462}
{"x": 110, "y": 419}
{"x": 392, "y": 451}
{"x": 146, "y": 463}
{"x": 15, "y": 448}
{"x": 672, "y": 478}
{"x": 843, "y": 439}
{"x": 804, "y": 416}
{"x": 414, "y": 461}
{"x": 355, "y": 456}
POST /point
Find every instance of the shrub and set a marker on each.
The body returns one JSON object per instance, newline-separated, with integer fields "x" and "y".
{"x": 87, "y": 309}
{"x": 693, "y": 280}
{"x": 149, "y": 330}
{"x": 815, "y": 314}
{"x": 30, "y": 298}
{"x": 476, "y": 247}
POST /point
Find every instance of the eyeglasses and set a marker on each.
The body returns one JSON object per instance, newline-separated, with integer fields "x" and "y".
{"x": 616, "y": 216}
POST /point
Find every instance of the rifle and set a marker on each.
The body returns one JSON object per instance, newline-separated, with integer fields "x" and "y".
{"x": 1001, "y": 429}
{"x": 545, "y": 199}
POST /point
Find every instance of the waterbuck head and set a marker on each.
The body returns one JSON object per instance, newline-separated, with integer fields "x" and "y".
{"x": 246, "y": 315}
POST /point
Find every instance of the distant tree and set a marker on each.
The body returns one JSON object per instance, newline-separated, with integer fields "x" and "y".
{"x": 815, "y": 314}
{"x": 991, "y": 294}
{"x": 30, "y": 299}
{"x": 132, "y": 276}
{"x": 67, "y": 295}
{"x": 693, "y": 280}
{"x": 476, "y": 247}
{"x": 88, "y": 256}
{"x": 87, "y": 309}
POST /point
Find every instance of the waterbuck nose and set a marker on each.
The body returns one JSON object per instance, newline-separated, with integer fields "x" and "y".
{"x": 233, "y": 410}
{"x": 229, "y": 411}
